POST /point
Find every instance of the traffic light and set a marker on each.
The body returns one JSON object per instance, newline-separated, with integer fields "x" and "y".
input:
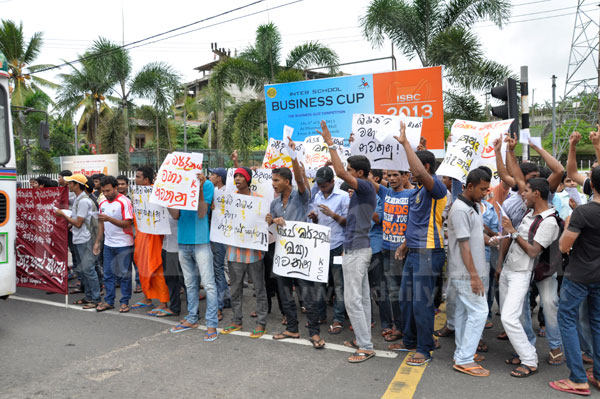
{"x": 510, "y": 109}
{"x": 44, "y": 136}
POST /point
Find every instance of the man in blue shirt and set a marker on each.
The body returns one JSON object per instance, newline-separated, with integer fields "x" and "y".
{"x": 195, "y": 257}
{"x": 357, "y": 249}
{"x": 330, "y": 207}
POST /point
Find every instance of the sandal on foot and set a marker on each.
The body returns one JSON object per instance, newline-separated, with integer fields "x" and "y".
{"x": 138, "y": 289}
{"x": 210, "y": 337}
{"x": 258, "y": 333}
{"x": 565, "y": 386}
{"x": 183, "y": 327}
{"x": 335, "y": 329}
{"x": 395, "y": 335}
{"x": 471, "y": 370}
{"x": 488, "y": 324}
{"x": 589, "y": 373}
{"x": 417, "y": 361}
{"x": 104, "y": 306}
{"x": 231, "y": 328}
{"x": 555, "y": 360}
{"x": 351, "y": 344}
{"x": 482, "y": 347}
{"x": 160, "y": 312}
{"x": 284, "y": 321}
{"x": 123, "y": 308}
{"x": 141, "y": 305}
{"x": 400, "y": 347}
{"x": 502, "y": 336}
{"x": 522, "y": 374}
{"x": 360, "y": 357}
{"x": 443, "y": 332}
{"x": 81, "y": 301}
{"x": 285, "y": 335}
{"x": 90, "y": 305}
{"x": 317, "y": 343}
{"x": 514, "y": 360}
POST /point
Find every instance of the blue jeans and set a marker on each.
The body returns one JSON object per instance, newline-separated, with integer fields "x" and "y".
{"x": 417, "y": 292}
{"x": 196, "y": 264}
{"x": 469, "y": 319}
{"x": 339, "y": 309}
{"x": 219, "y": 251}
{"x": 117, "y": 264}
{"x": 548, "y": 289}
{"x": 571, "y": 296}
{"x": 87, "y": 271}
{"x": 392, "y": 269}
{"x": 584, "y": 330}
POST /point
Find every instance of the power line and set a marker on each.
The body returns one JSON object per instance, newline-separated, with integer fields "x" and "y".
{"x": 531, "y": 2}
{"x": 149, "y": 37}
{"x": 537, "y": 19}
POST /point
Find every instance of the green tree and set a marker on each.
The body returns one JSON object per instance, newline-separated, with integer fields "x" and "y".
{"x": 62, "y": 137}
{"x": 439, "y": 32}
{"x": 111, "y": 138}
{"x": 260, "y": 64}
{"x": 20, "y": 53}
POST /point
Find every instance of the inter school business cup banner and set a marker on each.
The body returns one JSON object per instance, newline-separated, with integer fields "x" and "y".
{"x": 302, "y": 105}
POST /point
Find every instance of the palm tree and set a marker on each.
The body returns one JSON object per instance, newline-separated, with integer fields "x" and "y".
{"x": 438, "y": 32}
{"x": 188, "y": 109}
{"x": 20, "y": 54}
{"x": 159, "y": 83}
{"x": 260, "y": 64}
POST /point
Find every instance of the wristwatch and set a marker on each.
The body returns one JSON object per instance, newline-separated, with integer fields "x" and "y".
{"x": 333, "y": 147}
{"x": 514, "y": 235}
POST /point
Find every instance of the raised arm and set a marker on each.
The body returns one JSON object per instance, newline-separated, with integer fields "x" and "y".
{"x": 557, "y": 169}
{"x": 595, "y": 138}
{"x": 298, "y": 174}
{"x": 416, "y": 166}
{"x": 572, "y": 172}
{"x": 513, "y": 165}
{"x": 502, "y": 171}
{"x": 336, "y": 161}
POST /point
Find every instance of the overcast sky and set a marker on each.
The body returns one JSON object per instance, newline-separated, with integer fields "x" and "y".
{"x": 70, "y": 26}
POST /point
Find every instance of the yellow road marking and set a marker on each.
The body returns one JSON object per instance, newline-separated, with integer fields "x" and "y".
{"x": 407, "y": 378}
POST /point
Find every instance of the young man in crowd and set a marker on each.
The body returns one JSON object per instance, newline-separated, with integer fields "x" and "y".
{"x": 148, "y": 259}
{"x": 329, "y": 208}
{"x": 123, "y": 188}
{"x": 395, "y": 216}
{"x": 83, "y": 239}
{"x": 115, "y": 228}
{"x": 242, "y": 261}
{"x": 196, "y": 261}
{"x": 425, "y": 259}
{"x": 516, "y": 266}
{"x": 218, "y": 177}
{"x": 357, "y": 250}
{"x": 292, "y": 205}
{"x": 581, "y": 283}
{"x": 468, "y": 271}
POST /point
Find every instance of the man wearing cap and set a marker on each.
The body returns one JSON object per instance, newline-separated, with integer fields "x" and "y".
{"x": 218, "y": 177}
{"x": 330, "y": 208}
{"x": 83, "y": 239}
{"x": 242, "y": 260}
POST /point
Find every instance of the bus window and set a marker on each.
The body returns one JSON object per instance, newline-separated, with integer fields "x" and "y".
{"x": 4, "y": 128}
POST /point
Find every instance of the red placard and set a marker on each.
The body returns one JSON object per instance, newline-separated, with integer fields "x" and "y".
{"x": 42, "y": 246}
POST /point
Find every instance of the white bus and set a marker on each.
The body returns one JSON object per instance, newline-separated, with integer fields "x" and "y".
{"x": 8, "y": 189}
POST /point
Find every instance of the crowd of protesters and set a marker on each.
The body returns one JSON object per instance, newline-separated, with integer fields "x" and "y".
{"x": 407, "y": 238}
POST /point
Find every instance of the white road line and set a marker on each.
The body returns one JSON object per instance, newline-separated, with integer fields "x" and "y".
{"x": 305, "y": 342}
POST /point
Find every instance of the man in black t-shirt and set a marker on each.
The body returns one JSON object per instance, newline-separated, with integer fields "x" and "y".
{"x": 581, "y": 282}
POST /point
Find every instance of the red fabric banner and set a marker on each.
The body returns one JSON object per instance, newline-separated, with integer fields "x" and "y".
{"x": 42, "y": 243}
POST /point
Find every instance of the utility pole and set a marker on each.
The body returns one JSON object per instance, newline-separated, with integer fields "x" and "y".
{"x": 76, "y": 141}
{"x": 394, "y": 58}
{"x": 554, "y": 116}
{"x": 525, "y": 107}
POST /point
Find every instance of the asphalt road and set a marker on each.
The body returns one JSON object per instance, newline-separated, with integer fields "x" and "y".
{"x": 49, "y": 351}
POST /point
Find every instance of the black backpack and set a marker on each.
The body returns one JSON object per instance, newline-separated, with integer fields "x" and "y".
{"x": 551, "y": 260}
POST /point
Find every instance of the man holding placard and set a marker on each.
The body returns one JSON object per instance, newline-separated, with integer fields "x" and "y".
{"x": 242, "y": 261}
{"x": 292, "y": 205}
{"x": 357, "y": 249}
{"x": 196, "y": 262}
{"x": 426, "y": 256}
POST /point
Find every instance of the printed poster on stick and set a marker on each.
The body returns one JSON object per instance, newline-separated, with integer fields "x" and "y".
{"x": 302, "y": 251}
{"x": 261, "y": 183}
{"x": 239, "y": 220}
{"x": 176, "y": 184}
{"x": 149, "y": 218}
{"x": 42, "y": 239}
{"x": 302, "y": 105}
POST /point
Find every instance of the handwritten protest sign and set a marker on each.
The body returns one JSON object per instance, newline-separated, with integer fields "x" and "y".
{"x": 42, "y": 239}
{"x": 149, "y": 218}
{"x": 275, "y": 156}
{"x": 176, "y": 184}
{"x": 386, "y": 154}
{"x": 492, "y": 131}
{"x": 239, "y": 220}
{"x": 302, "y": 251}
{"x": 261, "y": 183}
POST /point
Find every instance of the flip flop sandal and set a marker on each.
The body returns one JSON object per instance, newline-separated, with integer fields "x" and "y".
{"x": 123, "y": 309}
{"x": 160, "y": 313}
{"x": 443, "y": 332}
{"x": 258, "y": 333}
{"x": 182, "y": 327}
{"x": 351, "y": 344}
{"x": 317, "y": 343}
{"x": 591, "y": 379}
{"x": 104, "y": 306}
{"x": 335, "y": 330}
{"x": 230, "y": 329}
{"x": 81, "y": 301}
{"x": 141, "y": 305}
{"x": 137, "y": 290}
{"x": 400, "y": 348}
{"x": 482, "y": 347}
{"x": 362, "y": 357}
{"x": 281, "y": 336}
{"x": 569, "y": 389}
{"x": 210, "y": 337}
{"x": 394, "y": 336}
{"x": 511, "y": 361}
{"x": 90, "y": 305}
{"x": 521, "y": 374}
{"x": 469, "y": 370}
{"x": 552, "y": 358}
{"x": 411, "y": 361}
{"x": 502, "y": 337}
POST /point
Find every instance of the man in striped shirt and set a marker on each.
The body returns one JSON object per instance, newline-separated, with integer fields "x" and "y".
{"x": 242, "y": 261}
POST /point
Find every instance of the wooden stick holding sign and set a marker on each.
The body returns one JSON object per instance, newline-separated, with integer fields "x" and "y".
{"x": 302, "y": 251}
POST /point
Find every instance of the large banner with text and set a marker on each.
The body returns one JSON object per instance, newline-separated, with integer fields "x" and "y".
{"x": 302, "y": 105}
{"x": 42, "y": 239}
